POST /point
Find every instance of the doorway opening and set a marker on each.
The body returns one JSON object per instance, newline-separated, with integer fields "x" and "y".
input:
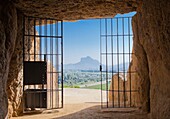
{"x": 116, "y": 73}
{"x": 45, "y": 74}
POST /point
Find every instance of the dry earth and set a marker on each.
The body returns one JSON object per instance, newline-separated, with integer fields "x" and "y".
{"x": 85, "y": 104}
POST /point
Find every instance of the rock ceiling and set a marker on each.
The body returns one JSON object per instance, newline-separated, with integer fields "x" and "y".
{"x": 75, "y": 9}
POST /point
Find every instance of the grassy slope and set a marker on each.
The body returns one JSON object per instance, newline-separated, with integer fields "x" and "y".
{"x": 97, "y": 87}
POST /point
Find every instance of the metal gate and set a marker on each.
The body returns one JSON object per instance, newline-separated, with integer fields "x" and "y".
{"x": 116, "y": 54}
{"x": 42, "y": 64}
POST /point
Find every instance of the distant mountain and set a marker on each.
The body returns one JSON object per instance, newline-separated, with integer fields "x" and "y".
{"x": 121, "y": 67}
{"x": 86, "y": 63}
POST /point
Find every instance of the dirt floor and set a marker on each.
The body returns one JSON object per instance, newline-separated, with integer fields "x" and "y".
{"x": 85, "y": 104}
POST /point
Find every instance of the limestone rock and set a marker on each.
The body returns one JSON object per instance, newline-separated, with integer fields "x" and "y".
{"x": 8, "y": 33}
{"x": 133, "y": 83}
{"x": 152, "y": 48}
{"x": 117, "y": 83}
{"x": 75, "y": 9}
{"x": 15, "y": 77}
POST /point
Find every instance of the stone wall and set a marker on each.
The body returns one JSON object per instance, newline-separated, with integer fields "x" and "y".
{"x": 8, "y": 34}
{"x": 152, "y": 46}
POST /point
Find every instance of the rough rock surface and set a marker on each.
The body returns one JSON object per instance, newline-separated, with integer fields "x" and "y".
{"x": 143, "y": 68}
{"x": 14, "y": 83}
{"x": 133, "y": 83}
{"x": 152, "y": 47}
{"x": 75, "y": 9}
{"x": 8, "y": 33}
{"x": 15, "y": 77}
{"x": 116, "y": 84}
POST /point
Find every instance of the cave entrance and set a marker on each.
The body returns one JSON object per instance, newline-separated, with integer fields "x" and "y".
{"x": 116, "y": 59}
{"x": 42, "y": 64}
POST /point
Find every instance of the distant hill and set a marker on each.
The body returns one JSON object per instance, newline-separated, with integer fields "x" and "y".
{"x": 86, "y": 63}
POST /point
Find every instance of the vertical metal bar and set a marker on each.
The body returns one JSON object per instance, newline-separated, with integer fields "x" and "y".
{"x": 51, "y": 86}
{"x": 45, "y": 58}
{"x": 34, "y": 57}
{"x": 23, "y": 59}
{"x": 112, "y": 62}
{"x": 62, "y": 59}
{"x": 56, "y": 58}
{"x": 34, "y": 40}
{"x": 40, "y": 33}
{"x": 106, "y": 63}
{"x": 39, "y": 57}
{"x": 118, "y": 60}
{"x": 45, "y": 31}
{"x": 52, "y": 66}
{"x": 129, "y": 58}
{"x": 101, "y": 62}
{"x": 124, "y": 88}
{"x": 28, "y": 41}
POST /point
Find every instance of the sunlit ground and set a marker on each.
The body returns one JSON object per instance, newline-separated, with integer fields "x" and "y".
{"x": 84, "y": 104}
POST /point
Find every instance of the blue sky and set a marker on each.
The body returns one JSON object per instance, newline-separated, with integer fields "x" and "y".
{"x": 82, "y": 38}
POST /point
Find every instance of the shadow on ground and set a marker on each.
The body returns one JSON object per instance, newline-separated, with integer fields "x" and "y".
{"x": 96, "y": 112}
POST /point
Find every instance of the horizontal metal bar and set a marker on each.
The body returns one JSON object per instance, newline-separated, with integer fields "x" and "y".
{"x": 116, "y": 35}
{"x": 120, "y": 72}
{"x": 122, "y": 90}
{"x": 42, "y": 54}
{"x": 43, "y": 36}
{"x": 117, "y": 53}
{"x": 54, "y": 90}
{"x": 54, "y": 72}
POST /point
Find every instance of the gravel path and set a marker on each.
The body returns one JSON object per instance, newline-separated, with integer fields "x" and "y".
{"x": 85, "y": 104}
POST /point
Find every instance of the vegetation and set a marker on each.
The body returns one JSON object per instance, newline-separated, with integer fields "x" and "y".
{"x": 97, "y": 87}
{"x": 66, "y": 86}
{"x": 84, "y": 79}
{"x": 72, "y": 78}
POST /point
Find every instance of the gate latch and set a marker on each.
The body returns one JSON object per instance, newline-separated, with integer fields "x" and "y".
{"x": 100, "y": 67}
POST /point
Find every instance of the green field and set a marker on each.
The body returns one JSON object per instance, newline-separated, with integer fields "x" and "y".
{"x": 97, "y": 87}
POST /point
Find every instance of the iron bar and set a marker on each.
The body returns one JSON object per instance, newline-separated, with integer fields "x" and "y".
{"x": 44, "y": 36}
{"x": 56, "y": 72}
{"x": 129, "y": 59}
{"x": 23, "y": 59}
{"x": 112, "y": 63}
{"x": 116, "y": 35}
{"x": 118, "y": 60}
{"x": 106, "y": 64}
{"x": 34, "y": 60}
{"x": 62, "y": 62}
{"x": 101, "y": 63}
{"x": 124, "y": 86}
